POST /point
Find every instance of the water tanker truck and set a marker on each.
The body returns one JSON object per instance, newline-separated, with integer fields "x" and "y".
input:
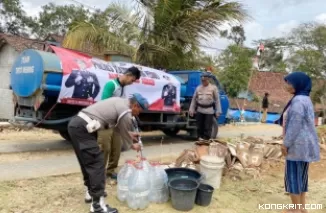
{"x": 51, "y": 87}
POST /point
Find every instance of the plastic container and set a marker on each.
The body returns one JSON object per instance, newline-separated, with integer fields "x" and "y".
{"x": 183, "y": 193}
{"x": 159, "y": 184}
{"x": 212, "y": 168}
{"x": 204, "y": 195}
{"x": 145, "y": 164}
{"x": 123, "y": 177}
{"x": 139, "y": 189}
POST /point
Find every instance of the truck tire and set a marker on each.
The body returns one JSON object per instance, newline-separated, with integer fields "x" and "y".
{"x": 65, "y": 135}
{"x": 214, "y": 129}
{"x": 171, "y": 132}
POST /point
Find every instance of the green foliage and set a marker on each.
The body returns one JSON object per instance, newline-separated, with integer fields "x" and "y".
{"x": 310, "y": 61}
{"x": 166, "y": 36}
{"x": 55, "y": 19}
{"x": 272, "y": 57}
{"x": 235, "y": 65}
{"x": 318, "y": 91}
{"x": 13, "y": 18}
{"x": 236, "y": 34}
{"x": 162, "y": 34}
{"x": 256, "y": 99}
{"x": 308, "y": 55}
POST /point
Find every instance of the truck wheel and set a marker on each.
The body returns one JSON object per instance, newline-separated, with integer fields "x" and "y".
{"x": 171, "y": 132}
{"x": 214, "y": 129}
{"x": 65, "y": 135}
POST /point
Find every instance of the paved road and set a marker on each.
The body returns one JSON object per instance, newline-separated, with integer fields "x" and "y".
{"x": 66, "y": 164}
{"x": 52, "y": 145}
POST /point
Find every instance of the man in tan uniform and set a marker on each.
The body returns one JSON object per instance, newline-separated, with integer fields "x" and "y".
{"x": 205, "y": 103}
{"x": 109, "y": 138}
{"x": 115, "y": 112}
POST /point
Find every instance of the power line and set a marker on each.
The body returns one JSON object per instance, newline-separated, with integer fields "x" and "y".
{"x": 127, "y": 22}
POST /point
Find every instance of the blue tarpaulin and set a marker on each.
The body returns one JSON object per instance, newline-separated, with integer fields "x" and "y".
{"x": 251, "y": 116}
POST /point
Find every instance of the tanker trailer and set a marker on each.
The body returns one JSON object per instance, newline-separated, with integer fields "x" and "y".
{"x": 44, "y": 98}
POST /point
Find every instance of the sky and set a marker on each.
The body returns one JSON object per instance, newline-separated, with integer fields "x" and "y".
{"x": 269, "y": 18}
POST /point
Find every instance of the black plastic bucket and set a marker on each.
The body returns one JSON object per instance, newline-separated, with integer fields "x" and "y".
{"x": 183, "y": 193}
{"x": 204, "y": 195}
{"x": 186, "y": 173}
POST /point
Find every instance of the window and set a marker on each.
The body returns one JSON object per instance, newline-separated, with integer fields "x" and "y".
{"x": 184, "y": 77}
{"x": 214, "y": 81}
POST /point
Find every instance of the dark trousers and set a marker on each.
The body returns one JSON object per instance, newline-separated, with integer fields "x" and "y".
{"x": 204, "y": 125}
{"x": 89, "y": 156}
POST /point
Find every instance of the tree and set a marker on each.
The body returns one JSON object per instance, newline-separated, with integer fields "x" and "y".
{"x": 271, "y": 58}
{"x": 305, "y": 47}
{"x": 198, "y": 60}
{"x": 308, "y": 55}
{"x": 236, "y": 34}
{"x": 310, "y": 61}
{"x": 165, "y": 36}
{"x": 13, "y": 18}
{"x": 235, "y": 65}
{"x": 55, "y": 19}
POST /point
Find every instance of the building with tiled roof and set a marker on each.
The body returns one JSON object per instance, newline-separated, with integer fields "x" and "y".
{"x": 262, "y": 82}
{"x": 20, "y": 43}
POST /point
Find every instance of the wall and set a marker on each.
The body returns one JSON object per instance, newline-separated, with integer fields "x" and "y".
{"x": 7, "y": 57}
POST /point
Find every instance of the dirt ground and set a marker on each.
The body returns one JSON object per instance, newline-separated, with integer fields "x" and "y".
{"x": 25, "y": 156}
{"x": 34, "y": 135}
{"x": 65, "y": 193}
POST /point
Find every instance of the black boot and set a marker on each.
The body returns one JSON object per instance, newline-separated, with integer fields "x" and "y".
{"x": 98, "y": 206}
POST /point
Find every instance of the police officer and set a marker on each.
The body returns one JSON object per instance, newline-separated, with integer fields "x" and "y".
{"x": 205, "y": 103}
{"x": 109, "y": 139}
{"x": 86, "y": 85}
{"x": 113, "y": 112}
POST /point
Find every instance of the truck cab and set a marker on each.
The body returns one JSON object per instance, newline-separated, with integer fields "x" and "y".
{"x": 171, "y": 123}
{"x": 190, "y": 81}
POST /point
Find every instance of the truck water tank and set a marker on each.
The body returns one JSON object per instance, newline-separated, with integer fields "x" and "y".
{"x": 34, "y": 70}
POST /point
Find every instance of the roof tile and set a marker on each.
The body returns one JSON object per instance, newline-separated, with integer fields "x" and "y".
{"x": 272, "y": 83}
{"x": 22, "y": 43}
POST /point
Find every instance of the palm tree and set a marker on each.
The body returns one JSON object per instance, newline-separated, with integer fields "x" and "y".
{"x": 162, "y": 33}
{"x": 236, "y": 34}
